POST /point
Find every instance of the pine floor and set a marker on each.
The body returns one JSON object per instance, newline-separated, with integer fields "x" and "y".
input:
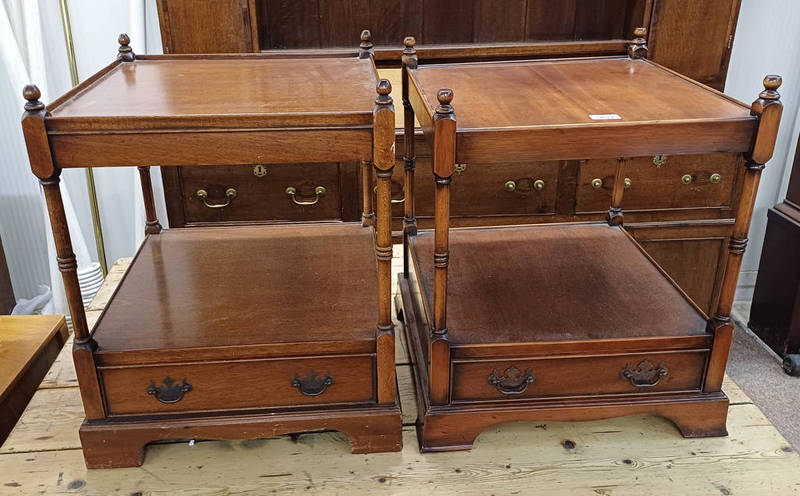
{"x": 628, "y": 456}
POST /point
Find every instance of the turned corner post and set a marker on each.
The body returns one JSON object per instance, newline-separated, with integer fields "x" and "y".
{"x": 637, "y": 48}
{"x": 44, "y": 167}
{"x": 768, "y": 109}
{"x": 125, "y": 51}
{"x": 383, "y": 157}
{"x": 152, "y": 226}
{"x": 409, "y": 61}
{"x": 444, "y": 162}
{"x": 366, "y": 49}
{"x": 615, "y": 215}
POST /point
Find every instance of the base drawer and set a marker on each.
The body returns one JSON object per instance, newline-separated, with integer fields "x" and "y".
{"x": 244, "y": 384}
{"x": 578, "y": 375}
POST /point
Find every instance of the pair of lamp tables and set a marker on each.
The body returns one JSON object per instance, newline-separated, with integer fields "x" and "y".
{"x": 251, "y": 331}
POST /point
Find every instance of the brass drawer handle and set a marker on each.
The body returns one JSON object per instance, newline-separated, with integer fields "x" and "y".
{"x": 513, "y": 380}
{"x": 597, "y": 183}
{"x": 319, "y": 192}
{"x": 715, "y": 178}
{"x": 203, "y": 195}
{"x": 687, "y": 179}
{"x": 312, "y": 385}
{"x": 399, "y": 200}
{"x": 536, "y": 184}
{"x": 645, "y": 375}
{"x": 169, "y": 392}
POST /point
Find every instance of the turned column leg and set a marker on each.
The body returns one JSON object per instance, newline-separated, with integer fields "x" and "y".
{"x": 409, "y": 61}
{"x": 152, "y": 226}
{"x": 615, "y": 215}
{"x": 444, "y": 160}
{"x": 383, "y": 151}
{"x": 769, "y": 109}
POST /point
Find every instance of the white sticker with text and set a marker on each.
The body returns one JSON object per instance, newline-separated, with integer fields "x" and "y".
{"x": 604, "y": 117}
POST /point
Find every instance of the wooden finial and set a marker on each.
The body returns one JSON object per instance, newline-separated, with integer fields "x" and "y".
{"x": 771, "y": 85}
{"x": 637, "y": 49}
{"x": 32, "y": 94}
{"x": 769, "y": 108}
{"x": 366, "y": 46}
{"x": 445, "y": 96}
{"x": 409, "y": 57}
{"x": 384, "y": 88}
{"x": 125, "y": 51}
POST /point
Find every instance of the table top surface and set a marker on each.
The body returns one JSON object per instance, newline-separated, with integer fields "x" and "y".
{"x": 22, "y": 337}
{"x": 236, "y": 286}
{"x": 181, "y": 88}
{"x": 570, "y": 92}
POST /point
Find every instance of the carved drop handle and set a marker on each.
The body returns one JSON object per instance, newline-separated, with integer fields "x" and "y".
{"x": 230, "y": 193}
{"x": 169, "y": 392}
{"x": 319, "y": 192}
{"x": 644, "y": 375}
{"x": 312, "y": 385}
{"x": 513, "y": 381}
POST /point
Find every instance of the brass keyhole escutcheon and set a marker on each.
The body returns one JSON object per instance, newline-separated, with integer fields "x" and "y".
{"x": 715, "y": 178}
{"x": 686, "y": 179}
{"x": 510, "y": 185}
{"x": 460, "y": 168}
{"x": 597, "y": 183}
{"x": 659, "y": 160}
{"x": 259, "y": 171}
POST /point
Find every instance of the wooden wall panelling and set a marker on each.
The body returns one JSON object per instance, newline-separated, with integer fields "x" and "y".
{"x": 285, "y": 24}
{"x": 549, "y": 20}
{"x": 499, "y": 20}
{"x": 203, "y": 26}
{"x": 694, "y": 38}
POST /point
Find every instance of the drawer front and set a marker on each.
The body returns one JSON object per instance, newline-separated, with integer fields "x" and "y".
{"x": 578, "y": 376}
{"x": 218, "y": 386}
{"x": 497, "y": 189}
{"x": 253, "y": 193}
{"x": 660, "y": 182}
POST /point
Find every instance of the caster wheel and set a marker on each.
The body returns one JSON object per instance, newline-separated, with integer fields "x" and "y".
{"x": 791, "y": 364}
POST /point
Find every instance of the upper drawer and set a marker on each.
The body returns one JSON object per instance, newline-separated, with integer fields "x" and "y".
{"x": 660, "y": 182}
{"x": 497, "y": 189}
{"x": 244, "y": 193}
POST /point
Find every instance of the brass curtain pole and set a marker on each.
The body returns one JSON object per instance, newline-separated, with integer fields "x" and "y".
{"x": 73, "y": 72}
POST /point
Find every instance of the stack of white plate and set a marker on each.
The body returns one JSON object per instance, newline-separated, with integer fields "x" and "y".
{"x": 90, "y": 278}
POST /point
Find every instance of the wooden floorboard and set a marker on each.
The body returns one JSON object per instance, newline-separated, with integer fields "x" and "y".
{"x": 627, "y": 456}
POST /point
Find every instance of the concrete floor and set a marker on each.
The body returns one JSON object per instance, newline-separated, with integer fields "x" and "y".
{"x": 757, "y": 370}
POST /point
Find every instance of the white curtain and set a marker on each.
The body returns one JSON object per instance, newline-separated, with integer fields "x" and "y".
{"x": 32, "y": 49}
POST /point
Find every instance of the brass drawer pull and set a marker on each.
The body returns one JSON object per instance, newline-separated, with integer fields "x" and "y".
{"x": 687, "y": 179}
{"x": 203, "y": 195}
{"x": 597, "y": 183}
{"x": 513, "y": 381}
{"x": 645, "y": 375}
{"x": 312, "y": 385}
{"x": 535, "y": 184}
{"x": 399, "y": 200}
{"x": 715, "y": 178}
{"x": 169, "y": 392}
{"x": 319, "y": 192}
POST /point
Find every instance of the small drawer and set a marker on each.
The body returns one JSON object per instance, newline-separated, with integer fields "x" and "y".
{"x": 246, "y": 384}
{"x": 257, "y": 193}
{"x": 511, "y": 379}
{"x": 496, "y": 189}
{"x": 660, "y": 182}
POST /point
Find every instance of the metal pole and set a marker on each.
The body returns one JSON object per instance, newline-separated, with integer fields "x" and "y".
{"x": 73, "y": 72}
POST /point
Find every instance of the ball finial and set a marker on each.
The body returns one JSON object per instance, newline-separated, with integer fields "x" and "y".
{"x": 32, "y": 94}
{"x": 409, "y": 42}
{"x": 771, "y": 84}
{"x": 640, "y": 32}
{"x": 125, "y": 51}
{"x": 124, "y": 39}
{"x": 445, "y": 96}
{"x": 384, "y": 87}
{"x": 366, "y": 35}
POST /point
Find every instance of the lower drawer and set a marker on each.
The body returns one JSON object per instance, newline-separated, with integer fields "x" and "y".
{"x": 235, "y": 385}
{"x": 578, "y": 376}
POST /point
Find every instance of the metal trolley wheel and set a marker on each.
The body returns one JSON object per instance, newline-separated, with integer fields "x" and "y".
{"x": 791, "y": 364}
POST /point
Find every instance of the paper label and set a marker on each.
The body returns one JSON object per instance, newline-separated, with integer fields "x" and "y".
{"x": 604, "y": 117}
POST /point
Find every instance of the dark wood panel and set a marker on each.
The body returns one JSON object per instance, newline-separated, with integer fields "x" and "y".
{"x": 447, "y": 21}
{"x": 499, "y": 20}
{"x": 694, "y": 38}
{"x": 289, "y": 24}
{"x": 341, "y": 22}
{"x": 580, "y": 375}
{"x": 237, "y": 384}
{"x": 548, "y": 20}
{"x": 601, "y": 19}
{"x": 205, "y": 26}
{"x": 7, "y": 299}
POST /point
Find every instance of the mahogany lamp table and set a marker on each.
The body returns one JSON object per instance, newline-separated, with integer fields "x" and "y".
{"x": 232, "y": 332}
{"x": 565, "y": 321}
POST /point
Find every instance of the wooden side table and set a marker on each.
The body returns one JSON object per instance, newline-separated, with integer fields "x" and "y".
{"x": 566, "y": 321}
{"x": 231, "y": 332}
{"x": 28, "y": 346}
